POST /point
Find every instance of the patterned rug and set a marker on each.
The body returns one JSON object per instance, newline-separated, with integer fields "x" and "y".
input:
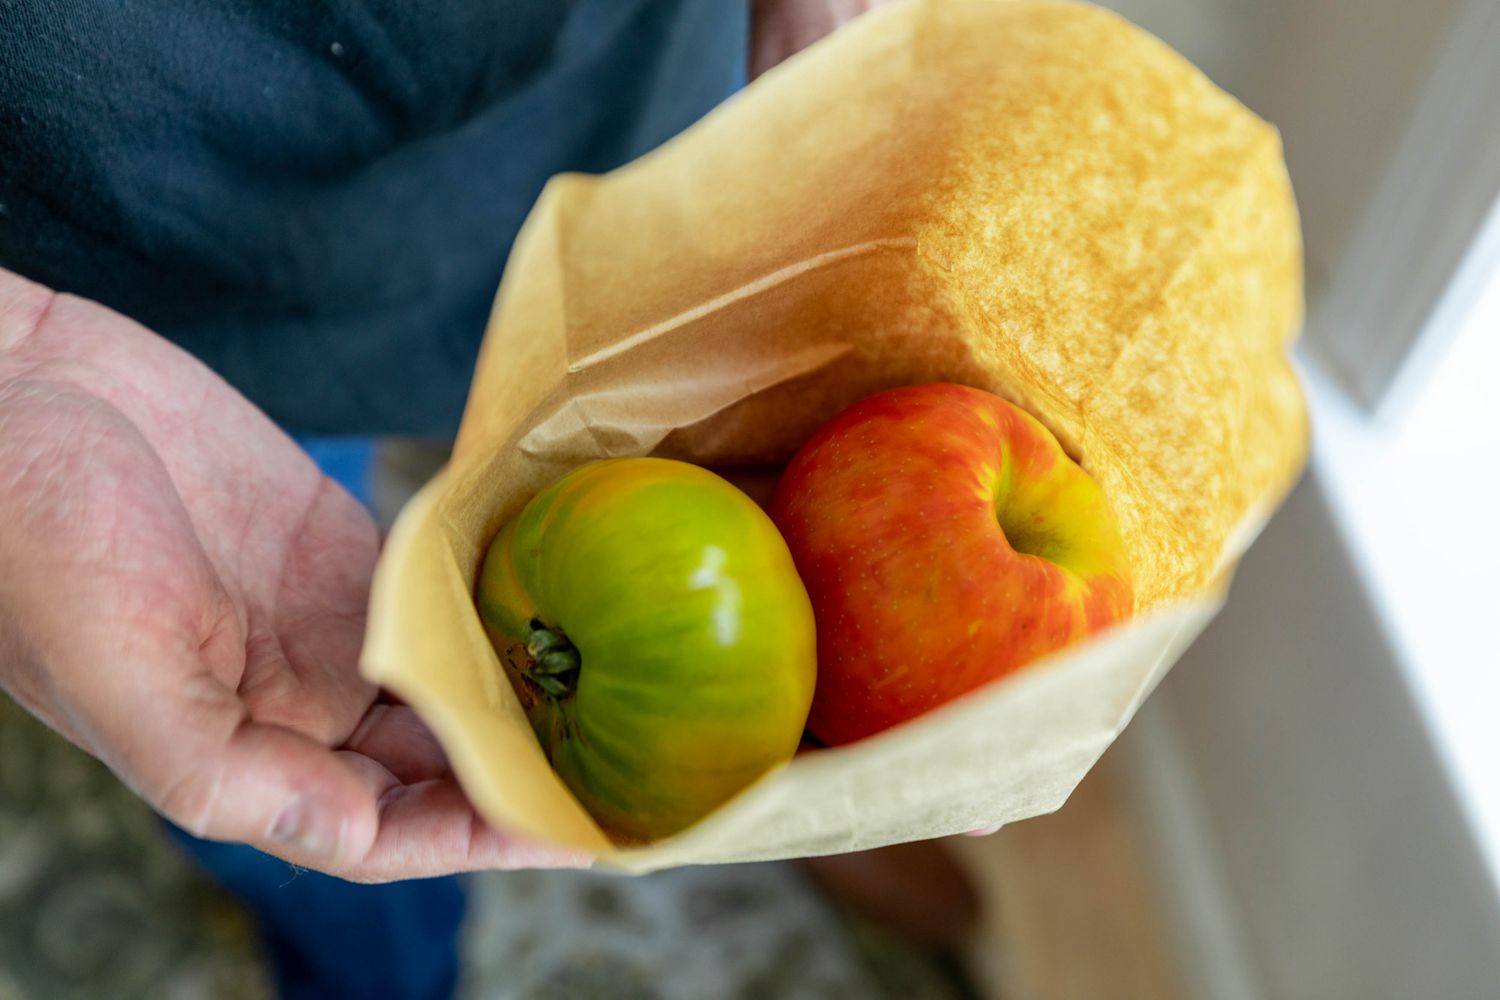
{"x": 96, "y": 903}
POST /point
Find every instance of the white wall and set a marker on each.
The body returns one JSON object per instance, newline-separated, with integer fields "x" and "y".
{"x": 1346, "y": 863}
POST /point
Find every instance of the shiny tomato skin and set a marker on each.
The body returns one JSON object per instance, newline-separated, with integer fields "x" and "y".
{"x": 694, "y": 635}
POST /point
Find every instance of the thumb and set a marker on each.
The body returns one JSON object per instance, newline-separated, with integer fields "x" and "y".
{"x": 164, "y": 717}
{"x": 263, "y": 785}
{"x": 181, "y": 738}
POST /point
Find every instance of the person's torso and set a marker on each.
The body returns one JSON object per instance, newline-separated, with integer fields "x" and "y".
{"x": 318, "y": 198}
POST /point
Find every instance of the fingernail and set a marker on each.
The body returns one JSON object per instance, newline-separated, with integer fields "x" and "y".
{"x": 306, "y": 829}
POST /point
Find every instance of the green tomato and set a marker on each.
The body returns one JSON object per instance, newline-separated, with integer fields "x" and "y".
{"x": 650, "y": 619}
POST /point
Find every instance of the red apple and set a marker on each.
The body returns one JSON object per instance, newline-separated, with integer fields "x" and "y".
{"x": 946, "y": 540}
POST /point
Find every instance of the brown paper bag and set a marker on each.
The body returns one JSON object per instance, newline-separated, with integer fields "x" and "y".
{"x": 1034, "y": 198}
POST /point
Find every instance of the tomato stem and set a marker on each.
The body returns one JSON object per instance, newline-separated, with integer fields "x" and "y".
{"x": 555, "y": 661}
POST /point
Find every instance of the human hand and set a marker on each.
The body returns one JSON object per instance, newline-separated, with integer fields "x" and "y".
{"x": 182, "y": 594}
{"x": 780, "y": 29}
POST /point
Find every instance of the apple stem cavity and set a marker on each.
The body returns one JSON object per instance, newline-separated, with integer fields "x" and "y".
{"x": 555, "y": 661}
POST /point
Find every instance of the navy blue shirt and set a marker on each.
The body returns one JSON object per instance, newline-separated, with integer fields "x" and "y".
{"x": 317, "y": 197}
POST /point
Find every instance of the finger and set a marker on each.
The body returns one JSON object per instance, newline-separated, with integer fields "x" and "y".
{"x": 394, "y": 737}
{"x": 983, "y": 831}
{"x": 184, "y": 742}
{"x": 207, "y": 765}
{"x": 780, "y": 29}
{"x": 429, "y": 828}
{"x": 190, "y": 751}
{"x": 276, "y": 790}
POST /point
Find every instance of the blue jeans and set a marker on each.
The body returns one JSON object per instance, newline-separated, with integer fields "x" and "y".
{"x": 328, "y": 939}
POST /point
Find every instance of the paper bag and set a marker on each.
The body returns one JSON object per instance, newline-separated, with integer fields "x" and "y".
{"x": 1033, "y": 198}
